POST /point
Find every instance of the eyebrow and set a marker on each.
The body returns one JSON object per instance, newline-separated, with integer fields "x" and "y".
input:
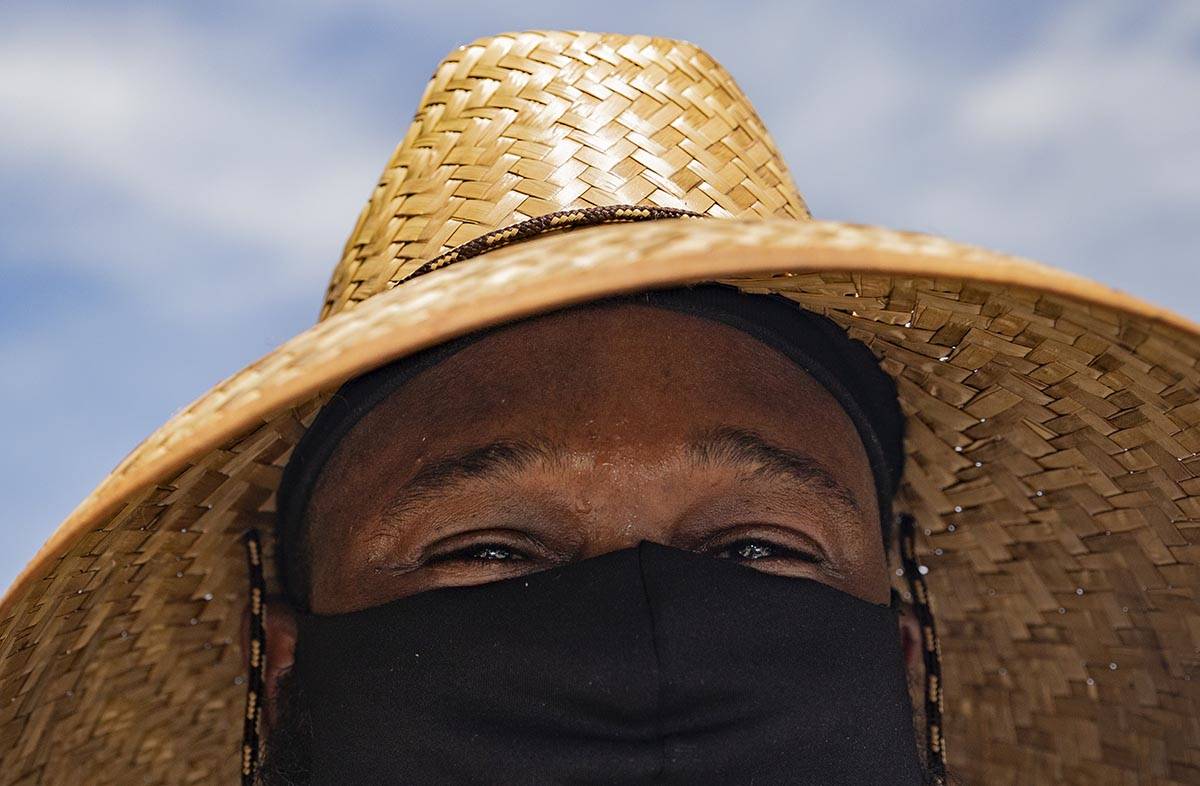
{"x": 722, "y": 446}
{"x": 729, "y": 446}
{"x": 493, "y": 460}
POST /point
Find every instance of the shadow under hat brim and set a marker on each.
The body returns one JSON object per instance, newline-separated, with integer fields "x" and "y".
{"x": 1092, "y": 397}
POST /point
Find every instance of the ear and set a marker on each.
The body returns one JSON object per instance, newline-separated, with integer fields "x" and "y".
{"x": 910, "y": 638}
{"x": 280, "y": 629}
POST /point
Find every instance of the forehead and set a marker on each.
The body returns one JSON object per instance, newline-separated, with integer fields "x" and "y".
{"x": 619, "y": 381}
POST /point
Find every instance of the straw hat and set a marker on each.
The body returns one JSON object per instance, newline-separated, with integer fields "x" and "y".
{"x": 1053, "y": 437}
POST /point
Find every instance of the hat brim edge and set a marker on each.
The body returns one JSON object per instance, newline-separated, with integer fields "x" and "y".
{"x": 504, "y": 286}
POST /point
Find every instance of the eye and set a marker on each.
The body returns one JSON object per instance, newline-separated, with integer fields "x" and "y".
{"x": 485, "y": 550}
{"x": 481, "y": 552}
{"x": 754, "y": 549}
{"x": 493, "y": 553}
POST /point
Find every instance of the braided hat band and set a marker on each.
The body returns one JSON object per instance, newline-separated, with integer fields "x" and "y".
{"x": 551, "y": 222}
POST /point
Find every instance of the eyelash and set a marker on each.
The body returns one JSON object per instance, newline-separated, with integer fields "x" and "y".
{"x": 739, "y": 549}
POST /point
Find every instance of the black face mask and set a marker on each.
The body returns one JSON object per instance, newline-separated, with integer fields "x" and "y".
{"x": 647, "y": 665}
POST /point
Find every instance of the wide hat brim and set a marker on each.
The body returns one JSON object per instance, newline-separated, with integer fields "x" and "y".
{"x": 1053, "y": 433}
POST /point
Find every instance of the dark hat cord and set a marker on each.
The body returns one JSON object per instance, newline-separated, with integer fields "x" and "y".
{"x": 256, "y": 669}
{"x": 931, "y": 651}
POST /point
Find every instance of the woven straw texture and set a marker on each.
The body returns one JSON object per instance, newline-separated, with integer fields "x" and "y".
{"x": 1053, "y": 439}
{"x": 513, "y": 127}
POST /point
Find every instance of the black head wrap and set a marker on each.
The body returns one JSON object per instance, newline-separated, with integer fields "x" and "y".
{"x": 844, "y": 366}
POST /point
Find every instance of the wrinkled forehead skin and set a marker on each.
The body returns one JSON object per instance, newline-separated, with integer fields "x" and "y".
{"x": 618, "y": 397}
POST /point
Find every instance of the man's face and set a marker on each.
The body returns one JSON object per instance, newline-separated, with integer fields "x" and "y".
{"x": 585, "y": 432}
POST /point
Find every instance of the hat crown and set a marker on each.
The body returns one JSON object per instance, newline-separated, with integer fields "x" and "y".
{"x": 519, "y": 125}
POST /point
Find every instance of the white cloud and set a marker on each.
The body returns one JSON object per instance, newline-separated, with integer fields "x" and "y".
{"x": 1102, "y": 110}
{"x": 1106, "y": 86}
{"x": 1080, "y": 146}
{"x": 147, "y": 112}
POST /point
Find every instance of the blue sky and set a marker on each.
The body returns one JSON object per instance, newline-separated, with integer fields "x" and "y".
{"x": 177, "y": 179}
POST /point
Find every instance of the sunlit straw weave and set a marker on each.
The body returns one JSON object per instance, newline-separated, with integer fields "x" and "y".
{"x": 1053, "y": 438}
